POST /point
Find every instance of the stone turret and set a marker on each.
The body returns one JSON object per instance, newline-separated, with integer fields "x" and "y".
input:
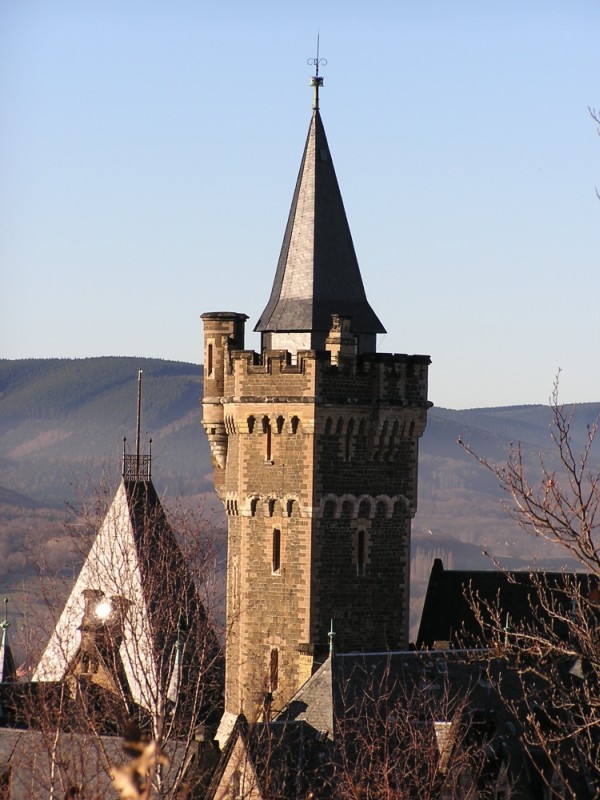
{"x": 223, "y": 333}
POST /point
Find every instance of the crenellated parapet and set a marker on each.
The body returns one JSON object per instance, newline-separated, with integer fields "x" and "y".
{"x": 232, "y": 374}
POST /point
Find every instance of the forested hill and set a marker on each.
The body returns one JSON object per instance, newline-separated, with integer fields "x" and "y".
{"x": 62, "y": 424}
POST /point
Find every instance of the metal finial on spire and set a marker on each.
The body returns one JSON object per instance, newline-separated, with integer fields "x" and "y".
{"x": 5, "y": 624}
{"x": 316, "y": 81}
{"x": 137, "y": 467}
{"x": 139, "y": 420}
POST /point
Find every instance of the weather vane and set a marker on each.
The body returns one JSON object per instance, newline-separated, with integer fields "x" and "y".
{"x": 316, "y": 81}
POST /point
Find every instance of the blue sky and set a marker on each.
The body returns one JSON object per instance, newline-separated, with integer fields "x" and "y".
{"x": 149, "y": 150}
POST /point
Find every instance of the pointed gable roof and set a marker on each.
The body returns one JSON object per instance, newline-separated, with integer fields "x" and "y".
{"x": 8, "y": 671}
{"x": 136, "y": 567}
{"x": 317, "y": 274}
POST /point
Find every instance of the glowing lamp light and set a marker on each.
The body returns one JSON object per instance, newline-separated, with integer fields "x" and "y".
{"x": 103, "y": 609}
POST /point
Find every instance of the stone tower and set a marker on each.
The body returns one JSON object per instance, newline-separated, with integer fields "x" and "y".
{"x": 315, "y": 449}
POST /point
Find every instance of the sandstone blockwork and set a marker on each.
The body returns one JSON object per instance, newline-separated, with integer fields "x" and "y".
{"x": 316, "y": 464}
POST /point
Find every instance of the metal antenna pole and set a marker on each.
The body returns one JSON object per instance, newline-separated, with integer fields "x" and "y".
{"x": 316, "y": 81}
{"x": 139, "y": 425}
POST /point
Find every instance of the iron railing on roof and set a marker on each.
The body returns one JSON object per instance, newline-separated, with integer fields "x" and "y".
{"x": 136, "y": 466}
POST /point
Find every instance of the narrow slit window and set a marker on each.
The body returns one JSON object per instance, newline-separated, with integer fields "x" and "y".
{"x": 280, "y": 421}
{"x": 274, "y": 670}
{"x": 360, "y": 553}
{"x": 295, "y": 423}
{"x": 209, "y": 366}
{"x": 267, "y": 432}
{"x": 276, "y": 552}
{"x": 348, "y": 441}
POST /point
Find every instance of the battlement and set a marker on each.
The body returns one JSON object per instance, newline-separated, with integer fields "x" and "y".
{"x": 399, "y": 379}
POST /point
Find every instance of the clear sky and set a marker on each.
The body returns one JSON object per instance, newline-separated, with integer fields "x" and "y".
{"x": 149, "y": 151}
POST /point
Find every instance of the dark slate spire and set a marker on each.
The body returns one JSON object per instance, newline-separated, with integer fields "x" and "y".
{"x": 317, "y": 274}
{"x": 8, "y": 671}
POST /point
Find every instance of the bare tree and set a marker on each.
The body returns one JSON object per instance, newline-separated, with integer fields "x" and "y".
{"x": 135, "y": 645}
{"x": 409, "y": 727}
{"x": 556, "y": 648}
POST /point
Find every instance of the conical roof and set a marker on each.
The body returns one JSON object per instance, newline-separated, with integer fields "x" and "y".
{"x": 317, "y": 274}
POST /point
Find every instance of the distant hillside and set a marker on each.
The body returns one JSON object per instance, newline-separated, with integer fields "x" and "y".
{"x": 61, "y": 428}
{"x": 62, "y": 424}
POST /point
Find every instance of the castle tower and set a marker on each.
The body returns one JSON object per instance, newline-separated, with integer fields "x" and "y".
{"x": 315, "y": 449}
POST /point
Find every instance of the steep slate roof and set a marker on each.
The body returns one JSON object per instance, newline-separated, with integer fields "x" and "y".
{"x": 8, "y": 670}
{"x": 357, "y": 692}
{"x": 313, "y": 702}
{"x": 317, "y": 274}
{"x": 136, "y": 560}
{"x": 273, "y": 760}
{"x": 448, "y": 614}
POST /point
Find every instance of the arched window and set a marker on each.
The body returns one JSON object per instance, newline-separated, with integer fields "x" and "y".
{"x": 295, "y": 423}
{"x": 253, "y": 506}
{"x": 280, "y": 421}
{"x": 383, "y": 436}
{"x": 328, "y": 426}
{"x": 251, "y": 422}
{"x": 276, "y": 552}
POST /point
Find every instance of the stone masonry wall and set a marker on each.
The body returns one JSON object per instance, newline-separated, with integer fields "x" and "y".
{"x": 318, "y": 475}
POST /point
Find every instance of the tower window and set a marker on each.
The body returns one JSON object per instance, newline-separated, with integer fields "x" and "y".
{"x": 276, "y": 552}
{"x": 253, "y": 506}
{"x": 360, "y": 553}
{"x": 348, "y": 440}
{"x": 274, "y": 670}
{"x": 209, "y": 360}
{"x": 267, "y": 431}
{"x": 251, "y": 423}
{"x": 280, "y": 421}
{"x": 295, "y": 423}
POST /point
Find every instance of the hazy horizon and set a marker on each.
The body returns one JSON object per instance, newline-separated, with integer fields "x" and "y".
{"x": 150, "y": 154}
